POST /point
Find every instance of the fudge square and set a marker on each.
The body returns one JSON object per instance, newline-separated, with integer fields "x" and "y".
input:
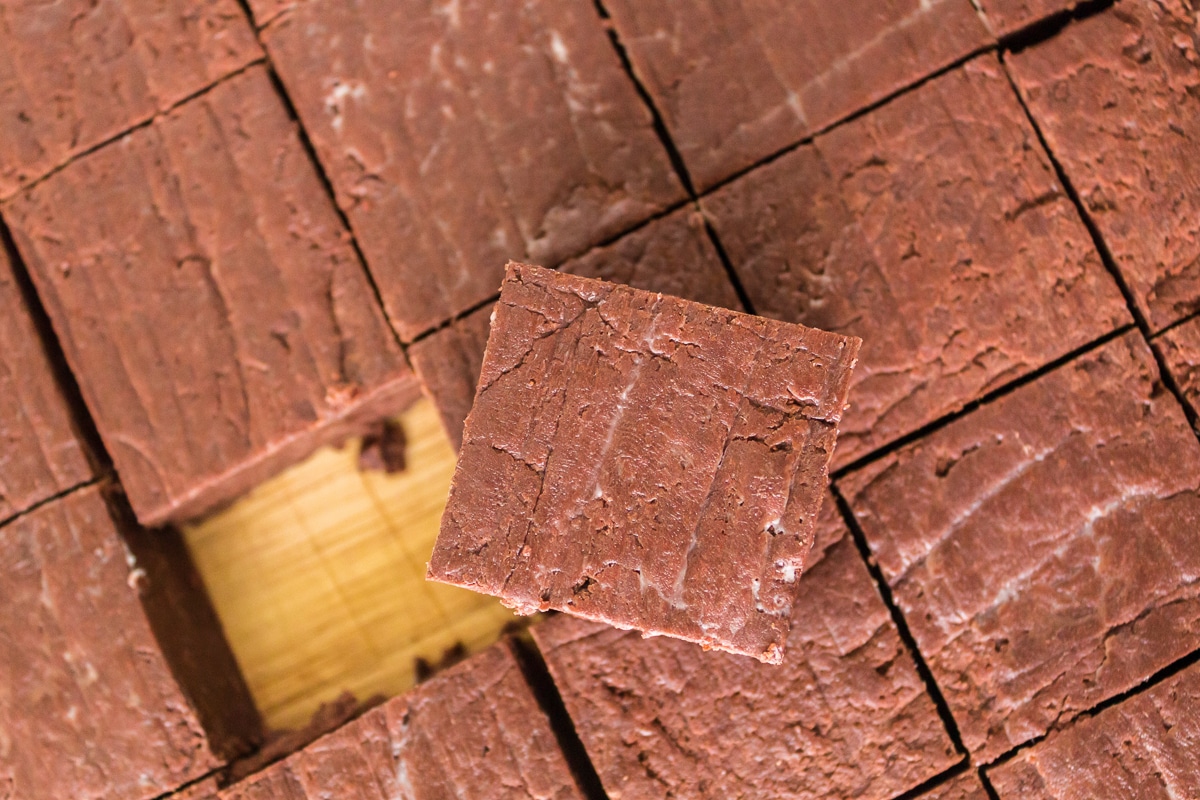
{"x": 474, "y": 732}
{"x": 644, "y": 461}
{"x": 1045, "y": 547}
{"x": 846, "y": 714}
{"x": 1180, "y": 349}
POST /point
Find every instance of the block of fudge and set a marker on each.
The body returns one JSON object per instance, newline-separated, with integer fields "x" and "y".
{"x": 672, "y": 255}
{"x": 209, "y": 301}
{"x": 935, "y": 229}
{"x": 76, "y": 73}
{"x": 459, "y": 139}
{"x": 1043, "y": 547}
{"x": 1115, "y": 96}
{"x": 736, "y": 82}
{"x": 966, "y": 786}
{"x": 1144, "y": 747}
{"x": 117, "y": 678}
{"x": 1009, "y": 16}
{"x": 1180, "y": 349}
{"x": 474, "y": 732}
{"x": 40, "y": 454}
{"x": 845, "y": 715}
{"x": 644, "y": 460}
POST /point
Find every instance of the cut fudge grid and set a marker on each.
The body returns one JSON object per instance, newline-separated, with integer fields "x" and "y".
{"x": 644, "y": 461}
{"x": 217, "y": 319}
{"x": 459, "y": 139}
{"x": 1144, "y": 747}
{"x": 1009, "y": 16}
{"x": 75, "y": 73}
{"x": 1115, "y": 96}
{"x": 40, "y": 455}
{"x": 845, "y": 716}
{"x": 735, "y": 81}
{"x": 90, "y": 707}
{"x": 1180, "y": 349}
{"x": 933, "y": 228}
{"x": 965, "y": 787}
{"x": 474, "y": 732}
{"x": 672, "y": 255}
{"x": 1045, "y": 547}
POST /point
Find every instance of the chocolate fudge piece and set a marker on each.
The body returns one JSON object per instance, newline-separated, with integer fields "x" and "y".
{"x": 78, "y": 72}
{"x": 1180, "y": 349}
{"x": 103, "y": 695}
{"x": 935, "y": 229}
{"x": 458, "y": 139}
{"x": 1042, "y": 548}
{"x": 966, "y": 786}
{"x": 846, "y": 715}
{"x": 737, "y": 81}
{"x": 1144, "y": 747}
{"x": 208, "y": 300}
{"x": 672, "y": 255}
{"x": 1114, "y": 95}
{"x": 644, "y": 461}
{"x": 1009, "y": 16}
{"x": 40, "y": 453}
{"x": 474, "y": 732}
{"x": 204, "y": 790}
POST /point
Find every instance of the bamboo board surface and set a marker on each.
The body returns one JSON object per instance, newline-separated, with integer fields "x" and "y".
{"x": 319, "y": 577}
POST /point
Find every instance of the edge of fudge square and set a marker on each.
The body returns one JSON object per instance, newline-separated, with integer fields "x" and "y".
{"x": 963, "y": 787}
{"x": 1180, "y": 349}
{"x": 1044, "y": 548}
{"x": 644, "y": 461}
{"x": 1009, "y": 16}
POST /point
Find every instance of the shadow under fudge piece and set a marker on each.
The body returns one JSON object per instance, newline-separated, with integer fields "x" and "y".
{"x": 643, "y": 460}
{"x": 76, "y": 73}
{"x": 736, "y": 82}
{"x": 208, "y": 301}
{"x": 1043, "y": 547}
{"x": 118, "y": 679}
{"x": 1115, "y": 97}
{"x": 846, "y": 714}
{"x": 461, "y": 138}
{"x": 1144, "y": 747}
{"x": 474, "y": 732}
{"x": 672, "y": 255}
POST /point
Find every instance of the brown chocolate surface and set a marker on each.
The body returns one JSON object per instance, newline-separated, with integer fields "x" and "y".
{"x": 645, "y": 461}
{"x": 90, "y": 706}
{"x": 844, "y": 716}
{"x": 218, "y": 321}
{"x": 738, "y": 81}
{"x": 966, "y": 786}
{"x": 75, "y": 73}
{"x": 1044, "y": 547}
{"x": 1145, "y": 748}
{"x": 204, "y": 790}
{"x": 672, "y": 255}
{"x": 1009, "y": 16}
{"x": 933, "y": 228}
{"x": 458, "y": 139}
{"x": 474, "y": 732}
{"x": 1116, "y": 97}
{"x": 1180, "y": 349}
{"x": 40, "y": 453}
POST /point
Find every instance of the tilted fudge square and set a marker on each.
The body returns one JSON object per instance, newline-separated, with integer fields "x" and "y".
{"x": 644, "y": 461}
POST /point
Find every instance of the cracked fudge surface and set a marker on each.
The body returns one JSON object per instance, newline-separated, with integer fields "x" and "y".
{"x": 1116, "y": 97}
{"x": 1042, "y": 548}
{"x": 1180, "y": 349}
{"x": 208, "y": 301}
{"x": 473, "y": 732}
{"x": 1144, "y": 748}
{"x": 1009, "y": 16}
{"x": 644, "y": 461}
{"x": 845, "y": 715}
{"x": 461, "y": 138}
{"x": 965, "y": 787}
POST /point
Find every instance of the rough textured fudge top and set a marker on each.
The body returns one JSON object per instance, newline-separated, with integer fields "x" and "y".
{"x": 217, "y": 319}
{"x": 737, "y": 81}
{"x": 644, "y": 461}
{"x": 672, "y": 255}
{"x": 458, "y": 140}
{"x": 474, "y": 732}
{"x": 1115, "y": 96}
{"x": 40, "y": 453}
{"x": 74, "y": 73}
{"x": 933, "y": 228}
{"x": 89, "y": 706}
{"x": 1145, "y": 748}
{"x": 965, "y": 787}
{"x": 1180, "y": 348}
{"x": 845, "y": 715}
{"x": 1009, "y": 16}
{"x": 1042, "y": 548}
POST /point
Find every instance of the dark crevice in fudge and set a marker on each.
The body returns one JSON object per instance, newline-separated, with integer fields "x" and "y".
{"x": 941, "y": 779}
{"x": 537, "y": 675}
{"x": 1179, "y": 323}
{"x": 1049, "y": 27}
{"x": 987, "y": 785}
{"x": 491, "y": 300}
{"x": 906, "y": 636}
{"x": 206, "y": 781}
